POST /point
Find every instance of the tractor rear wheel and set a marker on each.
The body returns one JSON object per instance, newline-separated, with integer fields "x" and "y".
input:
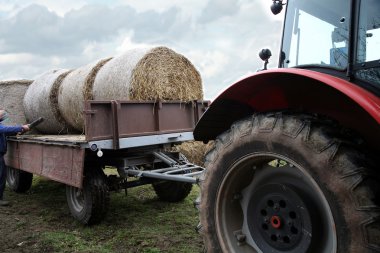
{"x": 18, "y": 180}
{"x": 286, "y": 183}
{"x": 89, "y": 205}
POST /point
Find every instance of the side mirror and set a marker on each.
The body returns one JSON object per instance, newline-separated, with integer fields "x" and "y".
{"x": 276, "y": 7}
{"x": 264, "y": 55}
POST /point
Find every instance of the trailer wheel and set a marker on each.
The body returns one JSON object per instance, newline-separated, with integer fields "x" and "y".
{"x": 289, "y": 183}
{"x": 18, "y": 180}
{"x": 89, "y": 205}
{"x": 172, "y": 191}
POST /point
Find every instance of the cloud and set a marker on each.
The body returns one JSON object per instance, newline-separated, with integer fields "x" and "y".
{"x": 211, "y": 63}
{"x": 17, "y": 58}
{"x": 38, "y": 30}
{"x": 221, "y": 37}
{"x": 219, "y": 8}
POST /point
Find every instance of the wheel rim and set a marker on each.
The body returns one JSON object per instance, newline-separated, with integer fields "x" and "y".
{"x": 77, "y": 198}
{"x": 268, "y": 203}
{"x": 12, "y": 175}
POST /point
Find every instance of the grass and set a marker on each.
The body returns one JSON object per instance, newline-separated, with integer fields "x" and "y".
{"x": 137, "y": 222}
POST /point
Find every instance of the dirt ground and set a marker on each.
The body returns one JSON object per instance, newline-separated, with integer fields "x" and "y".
{"x": 20, "y": 227}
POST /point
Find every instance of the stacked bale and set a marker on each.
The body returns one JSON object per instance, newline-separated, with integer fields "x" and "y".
{"x": 138, "y": 74}
{"x": 164, "y": 74}
{"x": 41, "y": 100}
{"x": 113, "y": 80}
{"x": 11, "y": 99}
{"x": 149, "y": 74}
{"x": 156, "y": 73}
{"x": 74, "y": 90}
{"x": 194, "y": 151}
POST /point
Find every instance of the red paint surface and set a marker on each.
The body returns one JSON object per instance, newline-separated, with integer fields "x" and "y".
{"x": 263, "y": 92}
{"x": 296, "y": 90}
{"x": 267, "y": 90}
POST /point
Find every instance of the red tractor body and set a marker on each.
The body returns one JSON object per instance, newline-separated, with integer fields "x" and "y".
{"x": 295, "y": 163}
{"x": 295, "y": 89}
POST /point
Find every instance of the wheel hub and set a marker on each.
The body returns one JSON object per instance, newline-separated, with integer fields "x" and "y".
{"x": 277, "y": 219}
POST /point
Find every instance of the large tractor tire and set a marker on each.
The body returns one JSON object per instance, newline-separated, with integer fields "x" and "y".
{"x": 18, "y": 180}
{"x": 172, "y": 191}
{"x": 285, "y": 183}
{"x": 89, "y": 205}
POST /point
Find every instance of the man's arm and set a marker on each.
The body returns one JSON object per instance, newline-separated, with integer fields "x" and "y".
{"x": 11, "y": 129}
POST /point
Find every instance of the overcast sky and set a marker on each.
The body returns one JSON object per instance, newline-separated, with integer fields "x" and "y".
{"x": 221, "y": 38}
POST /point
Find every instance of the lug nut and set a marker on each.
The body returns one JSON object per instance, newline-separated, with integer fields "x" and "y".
{"x": 240, "y": 237}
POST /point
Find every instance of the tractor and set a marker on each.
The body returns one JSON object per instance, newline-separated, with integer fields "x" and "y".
{"x": 295, "y": 162}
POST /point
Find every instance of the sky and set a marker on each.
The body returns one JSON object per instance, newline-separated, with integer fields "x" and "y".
{"x": 221, "y": 38}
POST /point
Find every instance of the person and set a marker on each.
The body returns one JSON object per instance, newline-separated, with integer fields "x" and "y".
{"x": 4, "y": 131}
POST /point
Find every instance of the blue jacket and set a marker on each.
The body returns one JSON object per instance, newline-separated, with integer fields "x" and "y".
{"x": 4, "y": 131}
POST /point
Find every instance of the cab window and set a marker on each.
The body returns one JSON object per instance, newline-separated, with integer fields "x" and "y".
{"x": 316, "y": 33}
{"x": 368, "y": 42}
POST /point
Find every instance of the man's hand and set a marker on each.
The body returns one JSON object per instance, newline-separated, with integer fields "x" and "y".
{"x": 25, "y": 128}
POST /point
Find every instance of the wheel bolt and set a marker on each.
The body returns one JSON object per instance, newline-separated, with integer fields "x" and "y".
{"x": 240, "y": 237}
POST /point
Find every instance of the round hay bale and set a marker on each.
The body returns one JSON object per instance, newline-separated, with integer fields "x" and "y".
{"x": 12, "y": 93}
{"x": 156, "y": 73}
{"x": 41, "y": 101}
{"x": 74, "y": 90}
{"x": 113, "y": 80}
{"x": 195, "y": 151}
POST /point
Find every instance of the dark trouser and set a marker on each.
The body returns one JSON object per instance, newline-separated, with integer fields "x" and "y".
{"x": 3, "y": 175}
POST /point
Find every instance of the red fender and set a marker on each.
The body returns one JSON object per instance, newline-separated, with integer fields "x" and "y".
{"x": 294, "y": 89}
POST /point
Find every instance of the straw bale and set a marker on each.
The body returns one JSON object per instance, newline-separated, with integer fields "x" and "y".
{"x": 74, "y": 90}
{"x": 156, "y": 73}
{"x": 113, "y": 81}
{"x": 166, "y": 75}
{"x": 11, "y": 99}
{"x": 40, "y": 101}
{"x": 195, "y": 151}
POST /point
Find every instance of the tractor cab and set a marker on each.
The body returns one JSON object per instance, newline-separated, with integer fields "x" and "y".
{"x": 337, "y": 37}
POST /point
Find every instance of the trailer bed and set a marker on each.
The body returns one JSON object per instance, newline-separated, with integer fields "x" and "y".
{"x": 116, "y": 126}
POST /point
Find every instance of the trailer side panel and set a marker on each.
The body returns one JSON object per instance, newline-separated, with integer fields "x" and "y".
{"x": 59, "y": 163}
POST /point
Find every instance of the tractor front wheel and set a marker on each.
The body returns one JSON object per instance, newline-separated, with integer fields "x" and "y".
{"x": 289, "y": 184}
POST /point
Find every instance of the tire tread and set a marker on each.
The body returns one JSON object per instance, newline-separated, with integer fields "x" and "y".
{"x": 343, "y": 152}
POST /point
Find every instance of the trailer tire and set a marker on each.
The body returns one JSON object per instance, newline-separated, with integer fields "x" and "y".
{"x": 172, "y": 191}
{"x": 18, "y": 180}
{"x": 89, "y": 205}
{"x": 281, "y": 182}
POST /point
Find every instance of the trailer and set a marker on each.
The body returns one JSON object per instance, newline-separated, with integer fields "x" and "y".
{"x": 131, "y": 137}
